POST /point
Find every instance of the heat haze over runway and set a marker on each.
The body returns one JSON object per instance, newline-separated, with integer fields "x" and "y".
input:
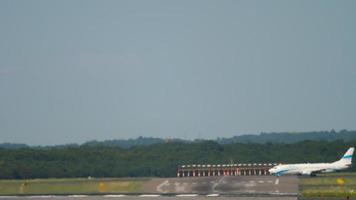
{"x": 140, "y": 198}
{"x": 233, "y": 185}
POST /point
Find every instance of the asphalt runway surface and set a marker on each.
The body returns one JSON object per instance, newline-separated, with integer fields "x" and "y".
{"x": 141, "y": 198}
{"x": 199, "y": 188}
{"x": 232, "y": 185}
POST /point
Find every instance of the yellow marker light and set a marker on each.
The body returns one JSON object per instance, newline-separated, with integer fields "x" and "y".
{"x": 340, "y": 181}
{"x": 102, "y": 187}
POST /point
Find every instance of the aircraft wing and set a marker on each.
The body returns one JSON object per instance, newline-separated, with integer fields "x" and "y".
{"x": 312, "y": 171}
{"x": 307, "y": 172}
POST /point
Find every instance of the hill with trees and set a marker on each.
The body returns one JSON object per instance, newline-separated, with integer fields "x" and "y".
{"x": 291, "y": 137}
{"x": 157, "y": 159}
{"x": 282, "y": 137}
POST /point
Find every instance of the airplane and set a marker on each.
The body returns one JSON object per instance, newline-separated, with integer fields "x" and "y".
{"x": 312, "y": 168}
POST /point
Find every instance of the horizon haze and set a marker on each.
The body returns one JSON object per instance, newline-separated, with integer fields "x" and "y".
{"x": 74, "y": 71}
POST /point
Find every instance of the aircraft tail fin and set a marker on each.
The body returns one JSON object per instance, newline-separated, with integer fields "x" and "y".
{"x": 347, "y": 158}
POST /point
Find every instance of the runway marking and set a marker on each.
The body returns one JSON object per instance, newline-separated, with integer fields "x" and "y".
{"x": 277, "y": 181}
{"x": 77, "y": 196}
{"x": 260, "y": 181}
{"x": 270, "y": 181}
{"x": 179, "y": 188}
{"x": 283, "y": 193}
{"x": 149, "y": 195}
{"x": 186, "y": 195}
{"x": 248, "y": 185}
{"x": 159, "y": 187}
{"x": 217, "y": 183}
{"x": 213, "y": 195}
{"x": 114, "y": 195}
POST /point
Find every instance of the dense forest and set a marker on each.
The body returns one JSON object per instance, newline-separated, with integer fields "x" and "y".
{"x": 291, "y": 137}
{"x": 157, "y": 159}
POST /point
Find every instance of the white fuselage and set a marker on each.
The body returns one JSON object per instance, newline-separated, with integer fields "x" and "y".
{"x": 313, "y": 168}
{"x": 307, "y": 168}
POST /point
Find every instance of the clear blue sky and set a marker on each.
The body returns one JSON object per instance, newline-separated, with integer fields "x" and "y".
{"x": 72, "y": 71}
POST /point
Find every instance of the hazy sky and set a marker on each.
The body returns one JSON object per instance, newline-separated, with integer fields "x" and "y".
{"x": 72, "y": 71}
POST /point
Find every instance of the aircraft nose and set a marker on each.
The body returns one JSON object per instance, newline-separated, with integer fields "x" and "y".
{"x": 271, "y": 171}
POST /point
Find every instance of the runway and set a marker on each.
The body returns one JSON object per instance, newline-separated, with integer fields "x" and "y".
{"x": 140, "y": 198}
{"x": 232, "y": 185}
{"x": 223, "y": 187}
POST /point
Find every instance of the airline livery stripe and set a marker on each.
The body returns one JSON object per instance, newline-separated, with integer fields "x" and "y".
{"x": 347, "y": 156}
{"x": 282, "y": 171}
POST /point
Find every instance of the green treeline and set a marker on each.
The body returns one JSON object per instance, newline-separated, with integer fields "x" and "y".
{"x": 281, "y": 137}
{"x": 156, "y": 160}
{"x": 291, "y": 137}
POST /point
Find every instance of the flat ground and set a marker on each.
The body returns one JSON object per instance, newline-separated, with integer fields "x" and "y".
{"x": 233, "y": 185}
{"x": 336, "y": 185}
{"x": 150, "y": 198}
{"x": 286, "y": 185}
{"x": 70, "y": 186}
{"x": 329, "y": 185}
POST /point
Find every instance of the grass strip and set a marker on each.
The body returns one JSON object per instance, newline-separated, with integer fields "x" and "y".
{"x": 69, "y": 186}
